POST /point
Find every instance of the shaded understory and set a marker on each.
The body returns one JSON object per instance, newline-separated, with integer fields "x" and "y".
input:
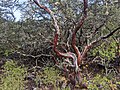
{"x": 95, "y": 76}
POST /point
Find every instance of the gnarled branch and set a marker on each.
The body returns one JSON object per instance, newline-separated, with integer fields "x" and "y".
{"x": 79, "y": 25}
{"x": 88, "y": 47}
{"x": 68, "y": 54}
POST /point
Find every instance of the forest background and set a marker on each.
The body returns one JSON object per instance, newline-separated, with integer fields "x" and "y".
{"x": 37, "y": 55}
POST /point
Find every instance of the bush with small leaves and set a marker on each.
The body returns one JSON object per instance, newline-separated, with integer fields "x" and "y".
{"x": 12, "y": 77}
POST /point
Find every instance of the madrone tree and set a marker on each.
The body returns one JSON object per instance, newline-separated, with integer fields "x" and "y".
{"x": 73, "y": 59}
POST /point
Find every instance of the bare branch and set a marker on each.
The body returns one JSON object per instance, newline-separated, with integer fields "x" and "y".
{"x": 96, "y": 30}
{"x": 32, "y": 56}
{"x": 88, "y": 47}
{"x": 52, "y": 15}
{"x": 67, "y": 55}
{"x": 79, "y": 25}
{"x": 43, "y": 7}
{"x": 110, "y": 34}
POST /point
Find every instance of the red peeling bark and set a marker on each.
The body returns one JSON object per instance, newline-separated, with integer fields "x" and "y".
{"x": 67, "y": 55}
{"x": 78, "y": 57}
{"x": 79, "y": 25}
{"x": 43, "y": 7}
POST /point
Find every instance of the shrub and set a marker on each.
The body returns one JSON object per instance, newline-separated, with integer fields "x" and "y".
{"x": 12, "y": 77}
{"x": 101, "y": 83}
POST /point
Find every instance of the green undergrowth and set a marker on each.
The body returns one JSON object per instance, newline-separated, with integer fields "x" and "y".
{"x": 49, "y": 76}
{"x": 12, "y": 77}
{"x": 100, "y": 82}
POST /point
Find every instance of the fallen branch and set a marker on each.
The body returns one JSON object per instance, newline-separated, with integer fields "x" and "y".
{"x": 32, "y": 56}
